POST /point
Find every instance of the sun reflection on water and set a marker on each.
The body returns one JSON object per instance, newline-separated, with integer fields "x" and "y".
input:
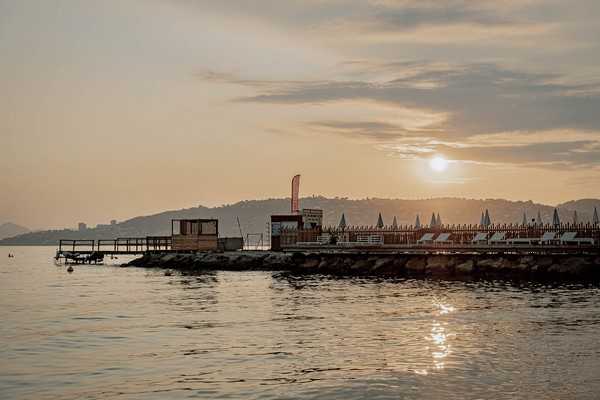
{"x": 440, "y": 348}
{"x": 445, "y": 308}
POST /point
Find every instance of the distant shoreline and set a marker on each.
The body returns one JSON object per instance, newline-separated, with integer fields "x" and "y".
{"x": 254, "y": 214}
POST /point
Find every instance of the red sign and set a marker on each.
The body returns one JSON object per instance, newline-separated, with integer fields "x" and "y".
{"x": 295, "y": 193}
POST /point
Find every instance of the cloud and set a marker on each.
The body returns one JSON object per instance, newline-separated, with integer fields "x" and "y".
{"x": 478, "y": 98}
{"x": 374, "y": 15}
{"x": 367, "y": 129}
{"x": 350, "y": 23}
{"x": 372, "y": 130}
{"x": 484, "y": 111}
{"x": 566, "y": 154}
{"x": 396, "y": 16}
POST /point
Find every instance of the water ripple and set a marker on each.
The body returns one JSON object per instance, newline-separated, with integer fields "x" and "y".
{"x": 109, "y": 332}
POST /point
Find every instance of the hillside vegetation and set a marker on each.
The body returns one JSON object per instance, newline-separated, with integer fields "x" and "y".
{"x": 254, "y": 216}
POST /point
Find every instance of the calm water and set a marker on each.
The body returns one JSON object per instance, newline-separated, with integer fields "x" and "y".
{"x": 127, "y": 333}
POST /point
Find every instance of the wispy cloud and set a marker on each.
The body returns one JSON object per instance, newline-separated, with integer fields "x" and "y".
{"x": 405, "y": 15}
{"x": 477, "y": 102}
{"x": 566, "y": 154}
{"x": 479, "y": 98}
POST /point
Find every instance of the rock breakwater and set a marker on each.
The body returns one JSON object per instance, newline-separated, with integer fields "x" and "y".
{"x": 584, "y": 267}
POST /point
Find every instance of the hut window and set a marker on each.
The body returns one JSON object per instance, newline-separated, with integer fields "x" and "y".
{"x": 176, "y": 228}
{"x": 185, "y": 228}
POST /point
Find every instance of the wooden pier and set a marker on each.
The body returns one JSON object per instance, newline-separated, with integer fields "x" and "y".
{"x": 94, "y": 251}
{"x": 188, "y": 236}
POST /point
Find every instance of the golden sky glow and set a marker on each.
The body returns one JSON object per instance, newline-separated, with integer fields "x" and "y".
{"x": 113, "y": 109}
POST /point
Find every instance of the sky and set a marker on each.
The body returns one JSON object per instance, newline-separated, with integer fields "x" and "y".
{"x": 118, "y": 108}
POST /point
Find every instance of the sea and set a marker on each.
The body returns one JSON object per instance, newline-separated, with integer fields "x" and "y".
{"x": 108, "y": 332}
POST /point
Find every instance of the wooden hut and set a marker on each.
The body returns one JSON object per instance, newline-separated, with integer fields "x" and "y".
{"x": 194, "y": 234}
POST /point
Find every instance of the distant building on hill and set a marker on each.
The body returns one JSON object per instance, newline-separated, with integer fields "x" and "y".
{"x": 82, "y": 226}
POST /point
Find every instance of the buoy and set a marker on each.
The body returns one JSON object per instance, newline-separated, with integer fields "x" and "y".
{"x": 70, "y": 269}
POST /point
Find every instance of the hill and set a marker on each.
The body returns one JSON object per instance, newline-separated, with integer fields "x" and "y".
{"x": 583, "y": 206}
{"x": 9, "y": 229}
{"x": 254, "y": 216}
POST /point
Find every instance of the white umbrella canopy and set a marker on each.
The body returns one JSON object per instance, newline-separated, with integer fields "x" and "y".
{"x": 438, "y": 220}
{"x": 433, "y": 222}
{"x": 379, "y": 222}
{"x": 487, "y": 221}
{"x": 555, "y": 218}
{"x": 342, "y": 224}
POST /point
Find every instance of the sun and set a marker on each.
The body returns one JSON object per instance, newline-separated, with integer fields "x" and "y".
{"x": 438, "y": 164}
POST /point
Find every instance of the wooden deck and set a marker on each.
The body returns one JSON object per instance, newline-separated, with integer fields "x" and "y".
{"x": 94, "y": 251}
{"x": 457, "y": 239}
{"x": 428, "y": 249}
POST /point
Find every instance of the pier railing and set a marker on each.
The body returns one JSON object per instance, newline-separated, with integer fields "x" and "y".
{"x": 127, "y": 245}
{"x": 76, "y": 245}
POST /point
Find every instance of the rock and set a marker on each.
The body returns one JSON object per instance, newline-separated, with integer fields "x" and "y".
{"x": 344, "y": 265}
{"x": 167, "y": 258}
{"x": 277, "y": 261}
{"x": 527, "y": 260}
{"x": 416, "y": 265}
{"x": 554, "y": 269}
{"x": 400, "y": 262}
{"x": 541, "y": 264}
{"x": 244, "y": 262}
{"x": 298, "y": 258}
{"x": 490, "y": 263}
{"x": 466, "y": 267}
{"x": 536, "y": 269}
{"x": 382, "y": 262}
{"x": 568, "y": 266}
{"x": 384, "y": 266}
{"x": 439, "y": 265}
{"x": 311, "y": 263}
{"x": 496, "y": 264}
{"x": 348, "y": 261}
{"x": 544, "y": 262}
{"x": 361, "y": 265}
{"x": 520, "y": 267}
{"x": 573, "y": 266}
